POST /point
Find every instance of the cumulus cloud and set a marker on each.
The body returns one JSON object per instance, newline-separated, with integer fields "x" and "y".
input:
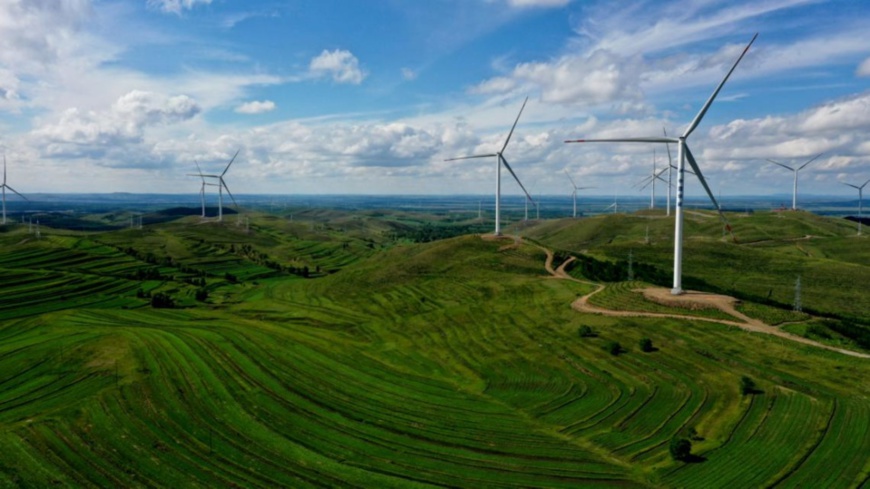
{"x": 176, "y": 6}
{"x": 36, "y": 34}
{"x": 256, "y": 107}
{"x": 79, "y": 133}
{"x": 341, "y": 65}
{"x": 864, "y": 68}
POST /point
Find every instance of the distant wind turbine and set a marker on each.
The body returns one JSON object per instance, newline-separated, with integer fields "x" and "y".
{"x": 221, "y": 185}
{"x": 796, "y": 171}
{"x": 574, "y": 193}
{"x": 860, "y": 200}
{"x": 651, "y": 180}
{"x": 683, "y": 155}
{"x": 4, "y": 186}
{"x": 500, "y": 159}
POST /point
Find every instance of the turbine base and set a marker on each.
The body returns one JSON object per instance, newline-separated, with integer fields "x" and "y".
{"x": 677, "y": 291}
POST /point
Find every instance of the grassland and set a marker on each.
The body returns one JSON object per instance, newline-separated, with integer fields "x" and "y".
{"x": 452, "y": 363}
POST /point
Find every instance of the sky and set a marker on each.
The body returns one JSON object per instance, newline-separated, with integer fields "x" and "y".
{"x": 371, "y": 97}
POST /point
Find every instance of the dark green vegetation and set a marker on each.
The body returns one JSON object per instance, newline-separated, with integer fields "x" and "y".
{"x": 457, "y": 362}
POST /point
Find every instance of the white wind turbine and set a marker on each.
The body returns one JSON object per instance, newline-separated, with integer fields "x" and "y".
{"x": 499, "y": 160}
{"x": 683, "y": 155}
{"x": 860, "y": 200}
{"x": 651, "y": 180}
{"x": 221, "y": 185}
{"x": 796, "y": 171}
{"x": 4, "y": 186}
{"x": 574, "y": 193}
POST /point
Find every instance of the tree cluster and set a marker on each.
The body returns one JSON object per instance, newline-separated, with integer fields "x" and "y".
{"x": 162, "y": 301}
{"x": 607, "y": 271}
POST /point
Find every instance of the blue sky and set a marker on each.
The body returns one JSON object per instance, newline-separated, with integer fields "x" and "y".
{"x": 350, "y": 96}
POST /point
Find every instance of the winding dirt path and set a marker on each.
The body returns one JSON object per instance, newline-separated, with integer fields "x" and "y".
{"x": 663, "y": 296}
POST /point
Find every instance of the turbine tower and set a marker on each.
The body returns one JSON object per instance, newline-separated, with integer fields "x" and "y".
{"x": 4, "y": 186}
{"x": 500, "y": 159}
{"x": 670, "y": 172}
{"x": 683, "y": 155}
{"x": 796, "y": 171}
{"x": 574, "y": 193}
{"x": 860, "y": 200}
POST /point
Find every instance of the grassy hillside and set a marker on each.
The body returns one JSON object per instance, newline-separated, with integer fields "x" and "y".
{"x": 450, "y": 363}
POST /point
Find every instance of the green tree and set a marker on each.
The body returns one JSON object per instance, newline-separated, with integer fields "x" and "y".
{"x": 585, "y": 332}
{"x": 681, "y": 449}
{"x": 613, "y": 347}
{"x": 646, "y": 345}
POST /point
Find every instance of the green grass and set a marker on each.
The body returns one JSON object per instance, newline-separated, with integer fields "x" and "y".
{"x": 453, "y": 363}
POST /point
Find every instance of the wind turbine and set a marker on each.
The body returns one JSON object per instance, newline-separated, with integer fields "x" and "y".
{"x": 221, "y": 185}
{"x": 683, "y": 155}
{"x": 201, "y": 188}
{"x": 615, "y": 204}
{"x": 574, "y": 193}
{"x": 4, "y": 187}
{"x": 652, "y": 180}
{"x": 796, "y": 171}
{"x": 499, "y": 160}
{"x": 860, "y": 200}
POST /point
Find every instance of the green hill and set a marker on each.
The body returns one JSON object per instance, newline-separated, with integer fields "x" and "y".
{"x": 455, "y": 362}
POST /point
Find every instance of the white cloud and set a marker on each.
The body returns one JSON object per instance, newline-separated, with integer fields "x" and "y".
{"x": 79, "y": 133}
{"x": 176, "y": 6}
{"x": 409, "y": 74}
{"x": 864, "y": 68}
{"x": 538, "y": 3}
{"x": 340, "y": 64}
{"x": 256, "y": 107}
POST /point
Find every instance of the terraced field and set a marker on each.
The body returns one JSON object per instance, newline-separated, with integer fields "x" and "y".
{"x": 455, "y": 363}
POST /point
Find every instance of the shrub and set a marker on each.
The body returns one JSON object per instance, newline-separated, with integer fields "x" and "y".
{"x": 747, "y": 385}
{"x": 681, "y": 449}
{"x": 613, "y": 347}
{"x": 585, "y": 332}
{"x": 201, "y": 295}
{"x": 646, "y": 345}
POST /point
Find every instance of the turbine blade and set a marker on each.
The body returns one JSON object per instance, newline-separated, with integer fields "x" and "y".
{"x": 231, "y": 162}
{"x": 503, "y": 160}
{"x": 780, "y": 164}
{"x": 865, "y": 183}
{"x": 506, "y": 141}
{"x": 572, "y": 180}
{"x": 668, "y": 146}
{"x": 12, "y": 189}
{"x": 694, "y": 164}
{"x": 812, "y": 160}
{"x": 853, "y": 186}
{"x": 626, "y": 140}
{"x": 470, "y": 157}
{"x": 706, "y": 106}
{"x": 229, "y": 193}
{"x": 199, "y": 170}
